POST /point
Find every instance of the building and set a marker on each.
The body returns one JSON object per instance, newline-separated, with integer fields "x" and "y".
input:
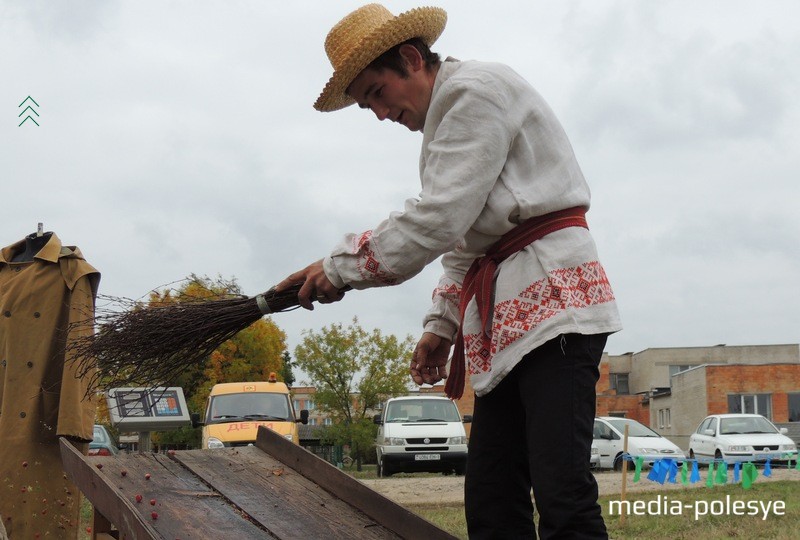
{"x": 673, "y": 389}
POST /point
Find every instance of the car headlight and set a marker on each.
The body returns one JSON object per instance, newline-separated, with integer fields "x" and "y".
{"x": 737, "y": 449}
{"x": 394, "y": 441}
{"x": 213, "y": 442}
{"x": 649, "y": 451}
{"x": 457, "y": 440}
{"x": 789, "y": 447}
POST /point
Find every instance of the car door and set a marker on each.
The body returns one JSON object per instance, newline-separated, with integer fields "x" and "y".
{"x": 607, "y": 442}
{"x": 703, "y": 445}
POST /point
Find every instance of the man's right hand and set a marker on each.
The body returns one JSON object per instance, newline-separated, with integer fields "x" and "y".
{"x": 429, "y": 364}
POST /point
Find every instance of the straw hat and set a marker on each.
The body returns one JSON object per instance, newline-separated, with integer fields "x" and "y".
{"x": 364, "y": 35}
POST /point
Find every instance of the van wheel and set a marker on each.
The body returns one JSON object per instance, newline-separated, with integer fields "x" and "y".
{"x": 618, "y": 462}
{"x": 385, "y": 470}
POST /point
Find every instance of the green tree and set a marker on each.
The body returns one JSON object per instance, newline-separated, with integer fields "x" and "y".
{"x": 354, "y": 371}
{"x": 250, "y": 355}
{"x": 286, "y": 374}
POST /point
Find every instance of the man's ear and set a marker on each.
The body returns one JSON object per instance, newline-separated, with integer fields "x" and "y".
{"x": 411, "y": 57}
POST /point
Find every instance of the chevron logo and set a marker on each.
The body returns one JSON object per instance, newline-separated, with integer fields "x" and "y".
{"x": 29, "y": 109}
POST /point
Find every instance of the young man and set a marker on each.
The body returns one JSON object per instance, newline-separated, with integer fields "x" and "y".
{"x": 523, "y": 294}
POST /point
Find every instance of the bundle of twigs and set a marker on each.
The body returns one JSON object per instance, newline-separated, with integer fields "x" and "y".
{"x": 149, "y": 346}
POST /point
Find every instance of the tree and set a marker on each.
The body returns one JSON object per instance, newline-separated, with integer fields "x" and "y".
{"x": 353, "y": 372}
{"x": 286, "y": 371}
{"x": 251, "y": 355}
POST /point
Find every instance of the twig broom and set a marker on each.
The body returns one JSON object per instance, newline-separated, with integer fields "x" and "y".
{"x": 149, "y": 346}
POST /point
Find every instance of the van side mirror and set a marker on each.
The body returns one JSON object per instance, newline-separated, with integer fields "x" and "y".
{"x": 467, "y": 418}
{"x": 377, "y": 419}
{"x": 196, "y": 420}
{"x": 303, "y": 416}
{"x": 784, "y": 431}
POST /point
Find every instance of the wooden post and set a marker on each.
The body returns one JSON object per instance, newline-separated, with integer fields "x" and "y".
{"x": 624, "y": 490}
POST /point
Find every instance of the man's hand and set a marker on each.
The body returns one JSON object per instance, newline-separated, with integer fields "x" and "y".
{"x": 316, "y": 286}
{"x": 430, "y": 359}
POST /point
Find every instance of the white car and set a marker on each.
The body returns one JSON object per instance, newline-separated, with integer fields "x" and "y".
{"x": 740, "y": 437}
{"x": 594, "y": 458}
{"x": 642, "y": 441}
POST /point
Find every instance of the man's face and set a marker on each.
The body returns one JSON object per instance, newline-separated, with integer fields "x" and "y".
{"x": 391, "y": 96}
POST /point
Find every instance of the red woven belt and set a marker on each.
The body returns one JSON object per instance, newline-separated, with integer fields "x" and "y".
{"x": 480, "y": 277}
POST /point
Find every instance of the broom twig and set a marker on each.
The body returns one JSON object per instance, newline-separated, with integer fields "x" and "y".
{"x": 149, "y": 345}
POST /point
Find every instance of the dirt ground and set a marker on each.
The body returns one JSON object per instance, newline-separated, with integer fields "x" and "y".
{"x": 450, "y": 489}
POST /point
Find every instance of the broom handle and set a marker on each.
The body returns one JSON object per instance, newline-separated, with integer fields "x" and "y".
{"x": 263, "y": 303}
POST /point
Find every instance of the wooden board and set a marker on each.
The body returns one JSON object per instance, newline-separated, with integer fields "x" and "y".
{"x": 275, "y": 489}
{"x": 186, "y": 507}
{"x": 378, "y": 507}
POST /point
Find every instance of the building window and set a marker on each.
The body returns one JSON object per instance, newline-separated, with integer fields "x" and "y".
{"x": 619, "y": 382}
{"x": 794, "y": 407}
{"x": 673, "y": 369}
{"x": 327, "y": 421}
{"x": 310, "y": 405}
{"x": 751, "y": 404}
{"x": 664, "y": 418}
{"x": 297, "y": 404}
{"x": 312, "y": 421}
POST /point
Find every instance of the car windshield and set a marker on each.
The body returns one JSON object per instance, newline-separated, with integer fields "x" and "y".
{"x": 99, "y": 435}
{"x": 745, "y": 424}
{"x": 422, "y": 410}
{"x": 635, "y": 429}
{"x": 249, "y": 406}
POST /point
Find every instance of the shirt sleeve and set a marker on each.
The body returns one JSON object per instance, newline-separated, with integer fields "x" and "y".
{"x": 461, "y": 164}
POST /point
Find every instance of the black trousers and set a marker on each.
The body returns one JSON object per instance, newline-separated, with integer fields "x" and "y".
{"x": 534, "y": 431}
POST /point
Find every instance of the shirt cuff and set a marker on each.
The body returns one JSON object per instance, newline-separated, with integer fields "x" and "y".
{"x": 332, "y": 273}
{"x": 442, "y": 328}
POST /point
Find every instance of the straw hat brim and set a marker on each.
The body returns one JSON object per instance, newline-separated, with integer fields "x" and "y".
{"x": 426, "y": 23}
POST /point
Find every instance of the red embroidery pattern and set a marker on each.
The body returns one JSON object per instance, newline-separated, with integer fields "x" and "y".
{"x": 579, "y": 287}
{"x": 451, "y": 293}
{"x": 368, "y": 265}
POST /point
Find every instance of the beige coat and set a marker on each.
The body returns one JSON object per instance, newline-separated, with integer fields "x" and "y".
{"x": 43, "y": 305}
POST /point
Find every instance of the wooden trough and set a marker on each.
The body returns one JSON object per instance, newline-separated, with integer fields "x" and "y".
{"x": 274, "y": 489}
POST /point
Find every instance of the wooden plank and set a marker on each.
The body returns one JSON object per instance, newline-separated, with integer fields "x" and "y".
{"x": 378, "y": 507}
{"x": 282, "y": 501}
{"x": 185, "y": 506}
{"x": 100, "y": 492}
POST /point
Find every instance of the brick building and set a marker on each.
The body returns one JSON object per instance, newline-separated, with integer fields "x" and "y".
{"x": 673, "y": 389}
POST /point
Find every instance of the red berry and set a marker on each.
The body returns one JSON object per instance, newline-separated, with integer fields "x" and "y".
{"x": 138, "y": 498}
{"x": 89, "y": 530}
{"x": 23, "y": 490}
{"x": 99, "y": 465}
{"x": 152, "y": 502}
{"x": 147, "y": 476}
{"x": 154, "y": 515}
{"x": 123, "y": 472}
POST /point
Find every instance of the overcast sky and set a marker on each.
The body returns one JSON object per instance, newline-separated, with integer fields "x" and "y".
{"x": 179, "y": 137}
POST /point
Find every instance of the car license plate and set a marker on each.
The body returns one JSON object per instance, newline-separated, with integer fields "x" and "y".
{"x": 427, "y": 457}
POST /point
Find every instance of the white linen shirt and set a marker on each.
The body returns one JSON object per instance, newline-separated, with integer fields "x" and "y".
{"x": 493, "y": 155}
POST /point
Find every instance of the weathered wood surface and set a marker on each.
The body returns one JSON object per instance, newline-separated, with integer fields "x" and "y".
{"x": 186, "y": 507}
{"x": 383, "y": 510}
{"x": 275, "y": 489}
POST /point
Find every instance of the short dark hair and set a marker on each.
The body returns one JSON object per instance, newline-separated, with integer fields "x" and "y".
{"x": 392, "y": 59}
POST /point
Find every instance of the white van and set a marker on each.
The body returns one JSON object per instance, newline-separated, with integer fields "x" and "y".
{"x": 421, "y": 434}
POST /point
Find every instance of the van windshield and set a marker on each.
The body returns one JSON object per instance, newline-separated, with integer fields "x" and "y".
{"x": 422, "y": 410}
{"x": 249, "y": 406}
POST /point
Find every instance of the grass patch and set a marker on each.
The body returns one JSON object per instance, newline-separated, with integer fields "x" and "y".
{"x": 684, "y": 526}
